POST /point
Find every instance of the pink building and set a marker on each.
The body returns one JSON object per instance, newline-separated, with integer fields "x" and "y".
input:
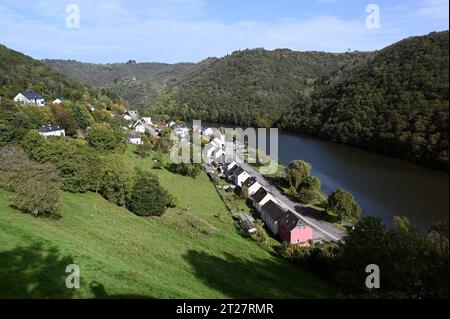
{"x": 292, "y": 230}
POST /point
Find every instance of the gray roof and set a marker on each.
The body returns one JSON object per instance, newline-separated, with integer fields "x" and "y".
{"x": 32, "y": 95}
{"x": 50, "y": 128}
{"x": 260, "y": 194}
{"x": 291, "y": 221}
{"x": 250, "y": 181}
{"x": 273, "y": 210}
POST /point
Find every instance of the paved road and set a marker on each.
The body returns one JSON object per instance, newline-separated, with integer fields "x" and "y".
{"x": 322, "y": 229}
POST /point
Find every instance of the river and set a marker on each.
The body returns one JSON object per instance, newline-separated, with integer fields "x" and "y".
{"x": 382, "y": 186}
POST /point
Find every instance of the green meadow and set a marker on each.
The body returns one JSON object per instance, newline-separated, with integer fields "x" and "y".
{"x": 194, "y": 251}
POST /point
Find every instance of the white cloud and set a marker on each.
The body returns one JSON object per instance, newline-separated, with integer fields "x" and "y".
{"x": 175, "y": 30}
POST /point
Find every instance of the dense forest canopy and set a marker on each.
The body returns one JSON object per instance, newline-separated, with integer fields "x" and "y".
{"x": 396, "y": 104}
{"x": 254, "y": 87}
{"x": 393, "y": 101}
{"x": 138, "y": 83}
{"x": 19, "y": 73}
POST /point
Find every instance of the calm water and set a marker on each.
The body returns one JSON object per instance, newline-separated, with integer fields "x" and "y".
{"x": 383, "y": 186}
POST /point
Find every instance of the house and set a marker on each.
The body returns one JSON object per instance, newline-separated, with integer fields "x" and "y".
{"x": 134, "y": 138}
{"x": 239, "y": 176}
{"x": 214, "y": 150}
{"x": 172, "y": 124}
{"x": 261, "y": 197}
{"x": 271, "y": 214}
{"x": 147, "y": 120}
{"x": 230, "y": 172}
{"x": 138, "y": 127}
{"x": 181, "y": 132}
{"x": 58, "y": 101}
{"x": 133, "y": 114}
{"x": 294, "y": 231}
{"x": 51, "y": 130}
{"x": 229, "y": 166}
{"x": 246, "y": 222}
{"x": 251, "y": 185}
{"x": 150, "y": 131}
{"x": 29, "y": 98}
{"x": 126, "y": 117}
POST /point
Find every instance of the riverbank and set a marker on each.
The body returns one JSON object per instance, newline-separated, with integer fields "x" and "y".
{"x": 383, "y": 186}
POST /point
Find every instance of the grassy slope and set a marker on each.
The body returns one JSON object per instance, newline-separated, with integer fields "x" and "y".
{"x": 194, "y": 251}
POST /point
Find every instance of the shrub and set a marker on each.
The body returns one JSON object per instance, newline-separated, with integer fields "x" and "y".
{"x": 147, "y": 197}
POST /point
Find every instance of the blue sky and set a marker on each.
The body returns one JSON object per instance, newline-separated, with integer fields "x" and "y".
{"x": 191, "y": 30}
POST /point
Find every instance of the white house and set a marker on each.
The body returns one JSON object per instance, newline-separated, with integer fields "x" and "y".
{"x": 50, "y": 130}
{"x": 30, "y": 98}
{"x": 126, "y": 117}
{"x": 147, "y": 120}
{"x": 58, "y": 101}
{"x": 252, "y": 185}
{"x": 139, "y": 127}
{"x": 213, "y": 151}
{"x": 134, "y": 138}
{"x": 172, "y": 124}
{"x": 239, "y": 176}
{"x": 134, "y": 114}
{"x": 260, "y": 197}
{"x": 181, "y": 132}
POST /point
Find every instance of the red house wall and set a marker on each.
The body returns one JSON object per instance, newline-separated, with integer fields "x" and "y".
{"x": 299, "y": 235}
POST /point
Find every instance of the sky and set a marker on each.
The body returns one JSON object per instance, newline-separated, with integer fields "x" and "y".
{"x": 107, "y": 31}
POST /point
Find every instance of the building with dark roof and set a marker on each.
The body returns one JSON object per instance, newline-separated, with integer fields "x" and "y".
{"x": 271, "y": 214}
{"x": 30, "y": 98}
{"x": 251, "y": 185}
{"x": 50, "y": 130}
{"x": 293, "y": 230}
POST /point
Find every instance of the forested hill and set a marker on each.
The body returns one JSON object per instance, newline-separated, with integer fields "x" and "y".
{"x": 19, "y": 72}
{"x": 253, "y": 87}
{"x": 138, "y": 83}
{"x": 396, "y": 104}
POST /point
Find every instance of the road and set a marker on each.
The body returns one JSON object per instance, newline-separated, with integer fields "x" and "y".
{"x": 322, "y": 230}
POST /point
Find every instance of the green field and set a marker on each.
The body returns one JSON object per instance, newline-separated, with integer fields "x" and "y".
{"x": 193, "y": 251}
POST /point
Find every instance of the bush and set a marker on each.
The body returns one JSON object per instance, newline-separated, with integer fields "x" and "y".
{"x": 147, "y": 197}
{"x": 188, "y": 169}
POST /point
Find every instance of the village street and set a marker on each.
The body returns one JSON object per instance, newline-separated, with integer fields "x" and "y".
{"x": 322, "y": 230}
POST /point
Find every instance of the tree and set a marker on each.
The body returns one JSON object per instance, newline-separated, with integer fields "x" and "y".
{"x": 148, "y": 198}
{"x": 297, "y": 172}
{"x": 103, "y": 138}
{"x": 343, "y": 204}
{"x": 35, "y": 188}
